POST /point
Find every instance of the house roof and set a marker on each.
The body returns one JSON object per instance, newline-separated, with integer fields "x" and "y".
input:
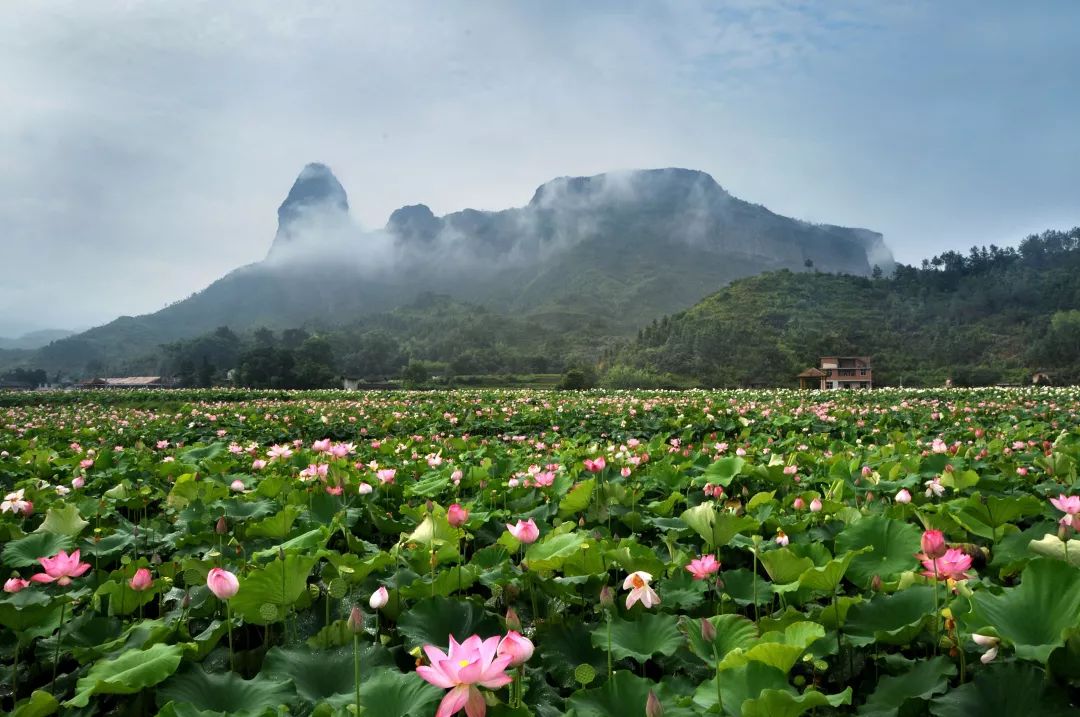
{"x": 132, "y": 380}
{"x": 812, "y": 373}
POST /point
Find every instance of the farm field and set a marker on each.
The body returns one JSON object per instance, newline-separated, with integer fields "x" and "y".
{"x": 513, "y": 553}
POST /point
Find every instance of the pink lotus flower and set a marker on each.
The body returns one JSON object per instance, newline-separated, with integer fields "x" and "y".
{"x": 903, "y": 496}
{"x": 798, "y": 504}
{"x": 365, "y": 489}
{"x": 781, "y": 538}
{"x": 277, "y": 452}
{"x": 456, "y": 515}
{"x": 141, "y": 580}
{"x": 14, "y": 503}
{"x": 703, "y": 567}
{"x": 340, "y": 450}
{"x": 544, "y": 479}
{"x": 322, "y": 446}
{"x": 60, "y": 568}
{"x": 14, "y": 585}
{"x": 78, "y": 482}
{"x": 237, "y": 485}
{"x": 1068, "y": 504}
{"x": 86, "y": 463}
{"x": 933, "y": 544}
{"x": 595, "y": 465}
{"x": 517, "y": 646}
{"x": 258, "y": 464}
{"x": 386, "y": 475}
{"x": 525, "y": 531}
{"x": 222, "y": 583}
{"x": 990, "y": 644}
{"x": 638, "y": 585}
{"x": 951, "y": 566}
{"x": 461, "y": 669}
{"x": 379, "y": 598}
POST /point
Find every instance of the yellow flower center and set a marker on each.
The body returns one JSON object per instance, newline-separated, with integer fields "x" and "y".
{"x": 463, "y": 663}
{"x": 637, "y": 582}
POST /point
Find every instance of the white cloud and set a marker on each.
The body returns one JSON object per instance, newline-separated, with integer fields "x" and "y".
{"x": 145, "y": 135}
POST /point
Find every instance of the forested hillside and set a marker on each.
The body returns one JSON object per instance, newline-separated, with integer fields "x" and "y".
{"x": 993, "y": 315}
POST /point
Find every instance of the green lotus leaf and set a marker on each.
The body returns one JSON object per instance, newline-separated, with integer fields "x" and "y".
{"x": 1003, "y": 690}
{"x": 432, "y": 621}
{"x": 390, "y": 693}
{"x": 890, "y": 619}
{"x": 988, "y": 516}
{"x": 723, "y": 471}
{"x": 39, "y": 704}
{"x": 777, "y": 649}
{"x": 1052, "y": 546}
{"x": 122, "y": 599}
{"x": 27, "y": 608}
{"x": 328, "y": 675}
{"x": 732, "y": 632}
{"x": 63, "y": 519}
{"x": 894, "y": 544}
{"x": 924, "y": 680}
{"x": 1035, "y": 616}
{"x": 24, "y": 552}
{"x": 434, "y": 531}
{"x": 278, "y": 525}
{"x": 577, "y": 500}
{"x": 564, "y": 647}
{"x": 551, "y": 552}
{"x": 717, "y": 528}
{"x": 740, "y": 684}
{"x": 225, "y": 693}
{"x": 781, "y": 703}
{"x": 828, "y": 576}
{"x": 279, "y": 583}
{"x": 784, "y": 566}
{"x": 650, "y": 634}
{"x": 129, "y": 673}
{"x": 624, "y": 695}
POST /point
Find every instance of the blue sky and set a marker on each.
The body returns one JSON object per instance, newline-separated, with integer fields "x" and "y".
{"x": 147, "y": 145}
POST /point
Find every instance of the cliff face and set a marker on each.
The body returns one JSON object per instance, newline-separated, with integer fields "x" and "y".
{"x": 606, "y": 254}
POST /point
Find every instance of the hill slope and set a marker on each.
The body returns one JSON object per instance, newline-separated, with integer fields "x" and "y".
{"x": 994, "y": 315}
{"x": 601, "y": 255}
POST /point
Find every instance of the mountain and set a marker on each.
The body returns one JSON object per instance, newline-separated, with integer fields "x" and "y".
{"x": 995, "y": 315}
{"x": 34, "y": 339}
{"x": 598, "y": 255}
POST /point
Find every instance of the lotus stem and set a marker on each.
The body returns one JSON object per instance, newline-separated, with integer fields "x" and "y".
{"x": 719, "y": 698}
{"x": 356, "y": 668}
{"x": 228, "y": 623}
{"x": 56, "y": 655}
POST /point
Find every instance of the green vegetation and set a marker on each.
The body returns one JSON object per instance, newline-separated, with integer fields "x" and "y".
{"x": 993, "y": 316}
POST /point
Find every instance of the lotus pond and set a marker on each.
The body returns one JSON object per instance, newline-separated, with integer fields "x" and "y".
{"x": 754, "y": 553}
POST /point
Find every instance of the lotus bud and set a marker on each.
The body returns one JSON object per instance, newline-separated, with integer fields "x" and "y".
{"x": 875, "y": 583}
{"x": 607, "y": 598}
{"x": 933, "y": 544}
{"x": 222, "y": 526}
{"x": 356, "y": 620}
{"x": 653, "y": 708}
{"x": 708, "y": 630}
{"x": 379, "y": 598}
{"x": 513, "y": 622}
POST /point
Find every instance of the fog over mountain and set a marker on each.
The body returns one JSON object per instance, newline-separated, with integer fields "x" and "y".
{"x": 603, "y": 254}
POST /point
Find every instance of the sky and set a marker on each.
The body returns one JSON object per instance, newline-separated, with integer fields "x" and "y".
{"x": 146, "y": 146}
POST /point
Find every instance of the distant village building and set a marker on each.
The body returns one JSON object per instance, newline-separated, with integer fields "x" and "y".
{"x": 128, "y": 382}
{"x": 836, "y": 372}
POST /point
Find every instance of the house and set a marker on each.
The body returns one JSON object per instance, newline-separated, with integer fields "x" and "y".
{"x": 838, "y": 372}
{"x": 128, "y": 382}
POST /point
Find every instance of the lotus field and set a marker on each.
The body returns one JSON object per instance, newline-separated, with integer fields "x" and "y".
{"x": 754, "y": 553}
